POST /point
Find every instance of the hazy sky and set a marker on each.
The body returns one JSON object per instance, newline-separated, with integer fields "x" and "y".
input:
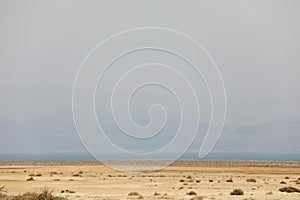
{"x": 255, "y": 44}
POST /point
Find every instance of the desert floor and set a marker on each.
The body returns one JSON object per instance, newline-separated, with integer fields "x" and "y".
{"x": 208, "y": 179}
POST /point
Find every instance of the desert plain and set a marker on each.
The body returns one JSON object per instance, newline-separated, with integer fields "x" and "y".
{"x": 183, "y": 179}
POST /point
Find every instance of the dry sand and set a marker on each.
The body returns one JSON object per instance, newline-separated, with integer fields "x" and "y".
{"x": 91, "y": 180}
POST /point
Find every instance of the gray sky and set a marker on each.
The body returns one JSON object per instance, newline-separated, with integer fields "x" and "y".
{"x": 255, "y": 44}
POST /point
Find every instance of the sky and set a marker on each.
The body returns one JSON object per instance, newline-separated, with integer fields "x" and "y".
{"x": 255, "y": 45}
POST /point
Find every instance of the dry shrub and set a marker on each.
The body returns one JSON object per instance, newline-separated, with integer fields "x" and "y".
{"x": 156, "y": 194}
{"x": 269, "y": 193}
{"x": 251, "y": 180}
{"x": 55, "y": 173}
{"x": 44, "y": 195}
{"x": 77, "y": 175}
{"x": 3, "y": 191}
{"x": 191, "y": 193}
{"x": 197, "y": 198}
{"x": 30, "y": 179}
{"x": 133, "y": 194}
{"x": 289, "y": 189}
{"x": 237, "y": 192}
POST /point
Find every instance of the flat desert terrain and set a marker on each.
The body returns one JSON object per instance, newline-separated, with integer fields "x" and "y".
{"x": 184, "y": 179}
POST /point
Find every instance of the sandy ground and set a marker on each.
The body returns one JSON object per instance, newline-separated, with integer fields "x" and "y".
{"x": 91, "y": 180}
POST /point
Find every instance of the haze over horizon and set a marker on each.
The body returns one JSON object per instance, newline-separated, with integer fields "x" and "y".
{"x": 255, "y": 44}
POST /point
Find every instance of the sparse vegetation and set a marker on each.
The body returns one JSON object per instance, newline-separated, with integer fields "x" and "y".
{"x": 191, "y": 193}
{"x": 32, "y": 174}
{"x": 197, "y": 198}
{"x": 198, "y": 181}
{"x": 269, "y": 193}
{"x": 251, "y": 180}
{"x": 156, "y": 194}
{"x": 133, "y": 194}
{"x": 237, "y": 192}
{"x": 44, "y": 195}
{"x": 68, "y": 191}
{"x": 77, "y": 175}
{"x": 30, "y": 179}
{"x": 55, "y": 173}
{"x": 229, "y": 181}
{"x": 181, "y": 180}
{"x": 282, "y": 182}
{"x": 138, "y": 196}
{"x": 3, "y": 191}
{"x": 289, "y": 189}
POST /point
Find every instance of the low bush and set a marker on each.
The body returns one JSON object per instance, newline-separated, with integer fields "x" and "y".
{"x": 133, "y": 194}
{"x": 191, "y": 193}
{"x": 289, "y": 189}
{"x": 30, "y": 179}
{"x": 237, "y": 192}
{"x": 251, "y": 180}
